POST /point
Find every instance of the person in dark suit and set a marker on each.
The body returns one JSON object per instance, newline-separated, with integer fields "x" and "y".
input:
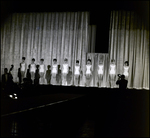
{"x": 122, "y": 86}
{"x": 48, "y": 75}
{"x": 5, "y": 77}
{"x": 58, "y": 75}
{"x": 19, "y": 75}
{"x": 28, "y": 75}
{"x": 7, "y": 81}
{"x": 122, "y": 82}
{"x": 37, "y": 75}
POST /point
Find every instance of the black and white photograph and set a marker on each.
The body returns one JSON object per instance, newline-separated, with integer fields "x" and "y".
{"x": 74, "y": 68}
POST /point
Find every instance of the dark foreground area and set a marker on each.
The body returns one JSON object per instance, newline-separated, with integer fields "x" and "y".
{"x": 57, "y": 111}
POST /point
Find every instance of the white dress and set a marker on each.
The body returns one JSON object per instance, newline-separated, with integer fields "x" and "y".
{"x": 65, "y": 68}
{"x": 77, "y": 72}
{"x": 100, "y": 69}
{"x": 22, "y": 66}
{"x": 33, "y": 68}
{"x": 54, "y": 69}
{"x": 88, "y": 69}
{"x": 126, "y": 71}
{"x": 112, "y": 69}
{"x": 41, "y": 68}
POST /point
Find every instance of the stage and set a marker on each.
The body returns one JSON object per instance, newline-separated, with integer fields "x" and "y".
{"x": 63, "y": 111}
{"x": 84, "y": 47}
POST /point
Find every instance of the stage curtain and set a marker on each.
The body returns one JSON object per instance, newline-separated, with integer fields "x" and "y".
{"x": 129, "y": 41}
{"x": 45, "y": 35}
{"x": 92, "y": 39}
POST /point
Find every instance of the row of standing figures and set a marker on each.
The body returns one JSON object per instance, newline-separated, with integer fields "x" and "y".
{"x": 62, "y": 75}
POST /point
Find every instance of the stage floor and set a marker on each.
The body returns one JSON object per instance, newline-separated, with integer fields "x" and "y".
{"x": 76, "y": 112}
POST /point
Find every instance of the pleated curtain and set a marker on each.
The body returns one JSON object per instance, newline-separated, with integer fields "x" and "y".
{"x": 52, "y": 35}
{"x": 129, "y": 41}
{"x": 92, "y": 39}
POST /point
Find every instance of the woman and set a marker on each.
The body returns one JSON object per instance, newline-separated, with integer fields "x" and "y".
{"x": 54, "y": 72}
{"x": 112, "y": 73}
{"x": 100, "y": 72}
{"x": 77, "y": 73}
{"x": 65, "y": 69}
{"x": 42, "y": 71}
{"x": 88, "y": 72}
{"x": 32, "y": 69}
{"x": 23, "y": 67}
{"x": 126, "y": 69}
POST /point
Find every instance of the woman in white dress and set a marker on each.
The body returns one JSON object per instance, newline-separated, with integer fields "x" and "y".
{"x": 88, "y": 72}
{"x": 32, "y": 69}
{"x": 54, "y": 72}
{"x": 77, "y": 73}
{"x": 23, "y": 67}
{"x": 112, "y": 73}
{"x": 126, "y": 69}
{"x": 100, "y": 72}
{"x": 65, "y": 69}
{"x": 42, "y": 71}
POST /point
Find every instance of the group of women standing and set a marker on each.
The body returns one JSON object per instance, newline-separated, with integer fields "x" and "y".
{"x": 62, "y": 75}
